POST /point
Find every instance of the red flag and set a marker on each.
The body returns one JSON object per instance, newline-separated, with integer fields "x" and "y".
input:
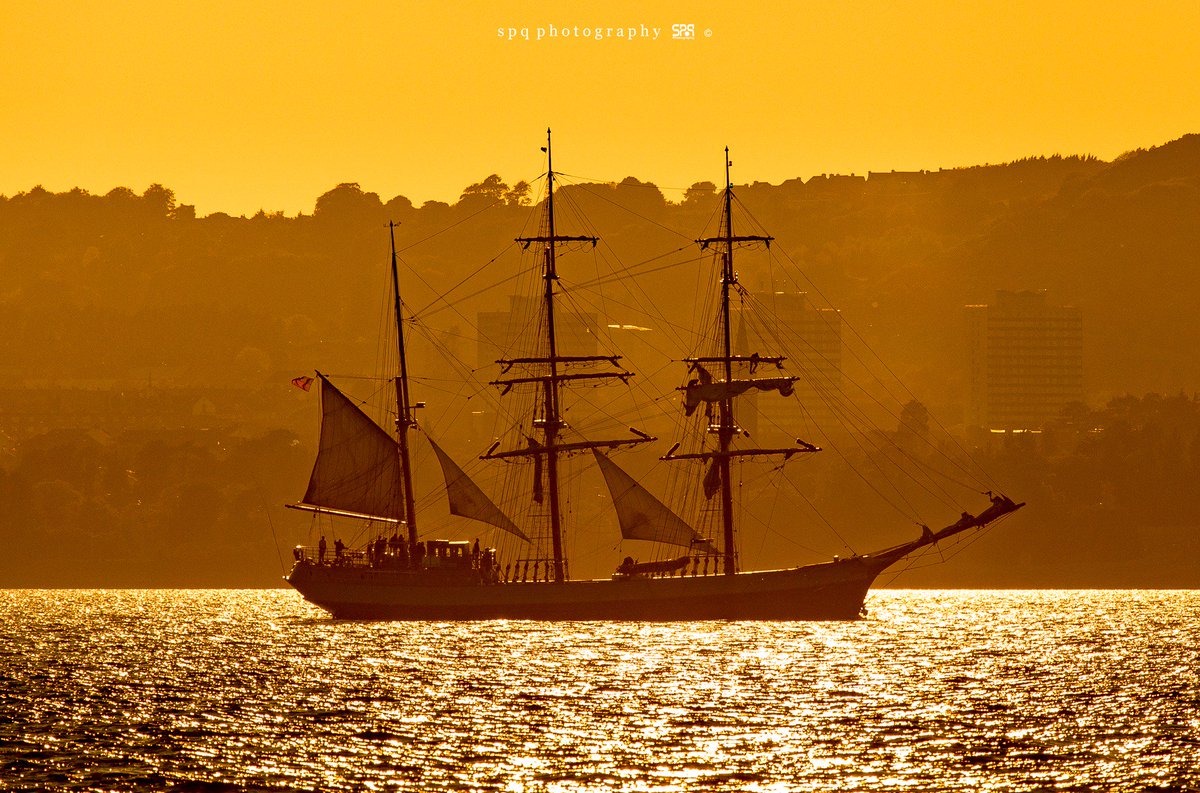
{"x": 303, "y": 383}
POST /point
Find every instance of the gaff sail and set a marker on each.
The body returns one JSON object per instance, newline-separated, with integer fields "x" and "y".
{"x": 467, "y": 499}
{"x": 358, "y": 464}
{"x": 641, "y": 515}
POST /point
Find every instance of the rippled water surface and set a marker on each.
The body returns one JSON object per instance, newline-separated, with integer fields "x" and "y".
{"x": 220, "y": 690}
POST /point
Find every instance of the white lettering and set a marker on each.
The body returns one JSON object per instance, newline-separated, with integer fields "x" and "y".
{"x": 598, "y": 33}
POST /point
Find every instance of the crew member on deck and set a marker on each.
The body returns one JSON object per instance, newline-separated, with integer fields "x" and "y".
{"x": 321, "y": 550}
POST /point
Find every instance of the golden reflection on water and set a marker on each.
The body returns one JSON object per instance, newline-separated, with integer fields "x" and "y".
{"x": 934, "y": 691}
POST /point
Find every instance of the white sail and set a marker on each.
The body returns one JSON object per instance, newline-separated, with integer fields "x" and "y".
{"x": 358, "y": 464}
{"x": 641, "y": 515}
{"x": 467, "y": 500}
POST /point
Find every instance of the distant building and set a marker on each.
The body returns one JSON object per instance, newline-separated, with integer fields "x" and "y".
{"x": 26, "y": 412}
{"x": 811, "y": 340}
{"x": 1026, "y": 361}
{"x": 900, "y": 182}
{"x": 835, "y": 184}
{"x": 904, "y": 178}
{"x": 520, "y": 332}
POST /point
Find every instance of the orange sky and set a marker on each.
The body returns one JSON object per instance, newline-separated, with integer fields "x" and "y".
{"x": 245, "y": 105}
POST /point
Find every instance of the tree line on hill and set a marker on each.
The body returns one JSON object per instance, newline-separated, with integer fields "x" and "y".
{"x": 125, "y": 287}
{"x": 119, "y": 285}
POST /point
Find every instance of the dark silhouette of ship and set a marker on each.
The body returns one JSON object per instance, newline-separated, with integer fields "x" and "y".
{"x": 364, "y": 472}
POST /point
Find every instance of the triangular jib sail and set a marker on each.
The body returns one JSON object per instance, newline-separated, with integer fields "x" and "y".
{"x": 467, "y": 500}
{"x": 358, "y": 465}
{"x": 644, "y": 517}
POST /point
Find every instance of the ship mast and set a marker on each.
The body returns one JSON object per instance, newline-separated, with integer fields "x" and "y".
{"x": 726, "y": 428}
{"x": 551, "y": 448}
{"x": 551, "y": 387}
{"x": 404, "y": 417}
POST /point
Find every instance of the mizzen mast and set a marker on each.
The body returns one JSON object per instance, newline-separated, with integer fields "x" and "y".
{"x": 404, "y": 415}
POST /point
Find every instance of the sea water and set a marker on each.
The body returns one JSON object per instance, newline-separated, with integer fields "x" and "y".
{"x": 250, "y": 690}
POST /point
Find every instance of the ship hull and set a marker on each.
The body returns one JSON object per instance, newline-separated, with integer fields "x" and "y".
{"x": 831, "y": 591}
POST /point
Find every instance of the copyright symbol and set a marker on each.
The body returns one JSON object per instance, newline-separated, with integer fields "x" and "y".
{"x": 708, "y": 33}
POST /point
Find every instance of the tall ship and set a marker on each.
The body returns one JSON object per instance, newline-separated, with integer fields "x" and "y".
{"x": 393, "y": 569}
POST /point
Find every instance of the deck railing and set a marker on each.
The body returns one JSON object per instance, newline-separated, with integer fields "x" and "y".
{"x": 523, "y": 571}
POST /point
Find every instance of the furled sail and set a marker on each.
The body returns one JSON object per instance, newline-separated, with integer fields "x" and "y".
{"x": 467, "y": 500}
{"x": 641, "y": 515}
{"x": 629, "y": 568}
{"x": 358, "y": 465}
{"x": 704, "y": 389}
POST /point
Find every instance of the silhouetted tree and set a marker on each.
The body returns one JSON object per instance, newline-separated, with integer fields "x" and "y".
{"x": 158, "y": 200}
{"x": 700, "y": 194}
{"x": 518, "y": 195}
{"x": 491, "y": 190}
{"x": 348, "y": 202}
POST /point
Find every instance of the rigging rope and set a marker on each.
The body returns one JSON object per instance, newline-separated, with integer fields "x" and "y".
{"x": 981, "y": 471}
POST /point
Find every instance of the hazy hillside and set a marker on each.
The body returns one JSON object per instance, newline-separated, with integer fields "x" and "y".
{"x": 122, "y": 285}
{"x": 152, "y": 340}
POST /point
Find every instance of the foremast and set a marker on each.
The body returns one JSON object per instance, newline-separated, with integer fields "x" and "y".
{"x": 723, "y": 393}
{"x": 404, "y": 414}
{"x": 548, "y": 374}
{"x": 363, "y": 471}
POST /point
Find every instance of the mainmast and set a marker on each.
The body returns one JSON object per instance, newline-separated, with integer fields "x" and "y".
{"x": 551, "y": 387}
{"x": 404, "y": 417}
{"x": 723, "y": 393}
{"x": 727, "y": 427}
{"x": 550, "y": 449}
